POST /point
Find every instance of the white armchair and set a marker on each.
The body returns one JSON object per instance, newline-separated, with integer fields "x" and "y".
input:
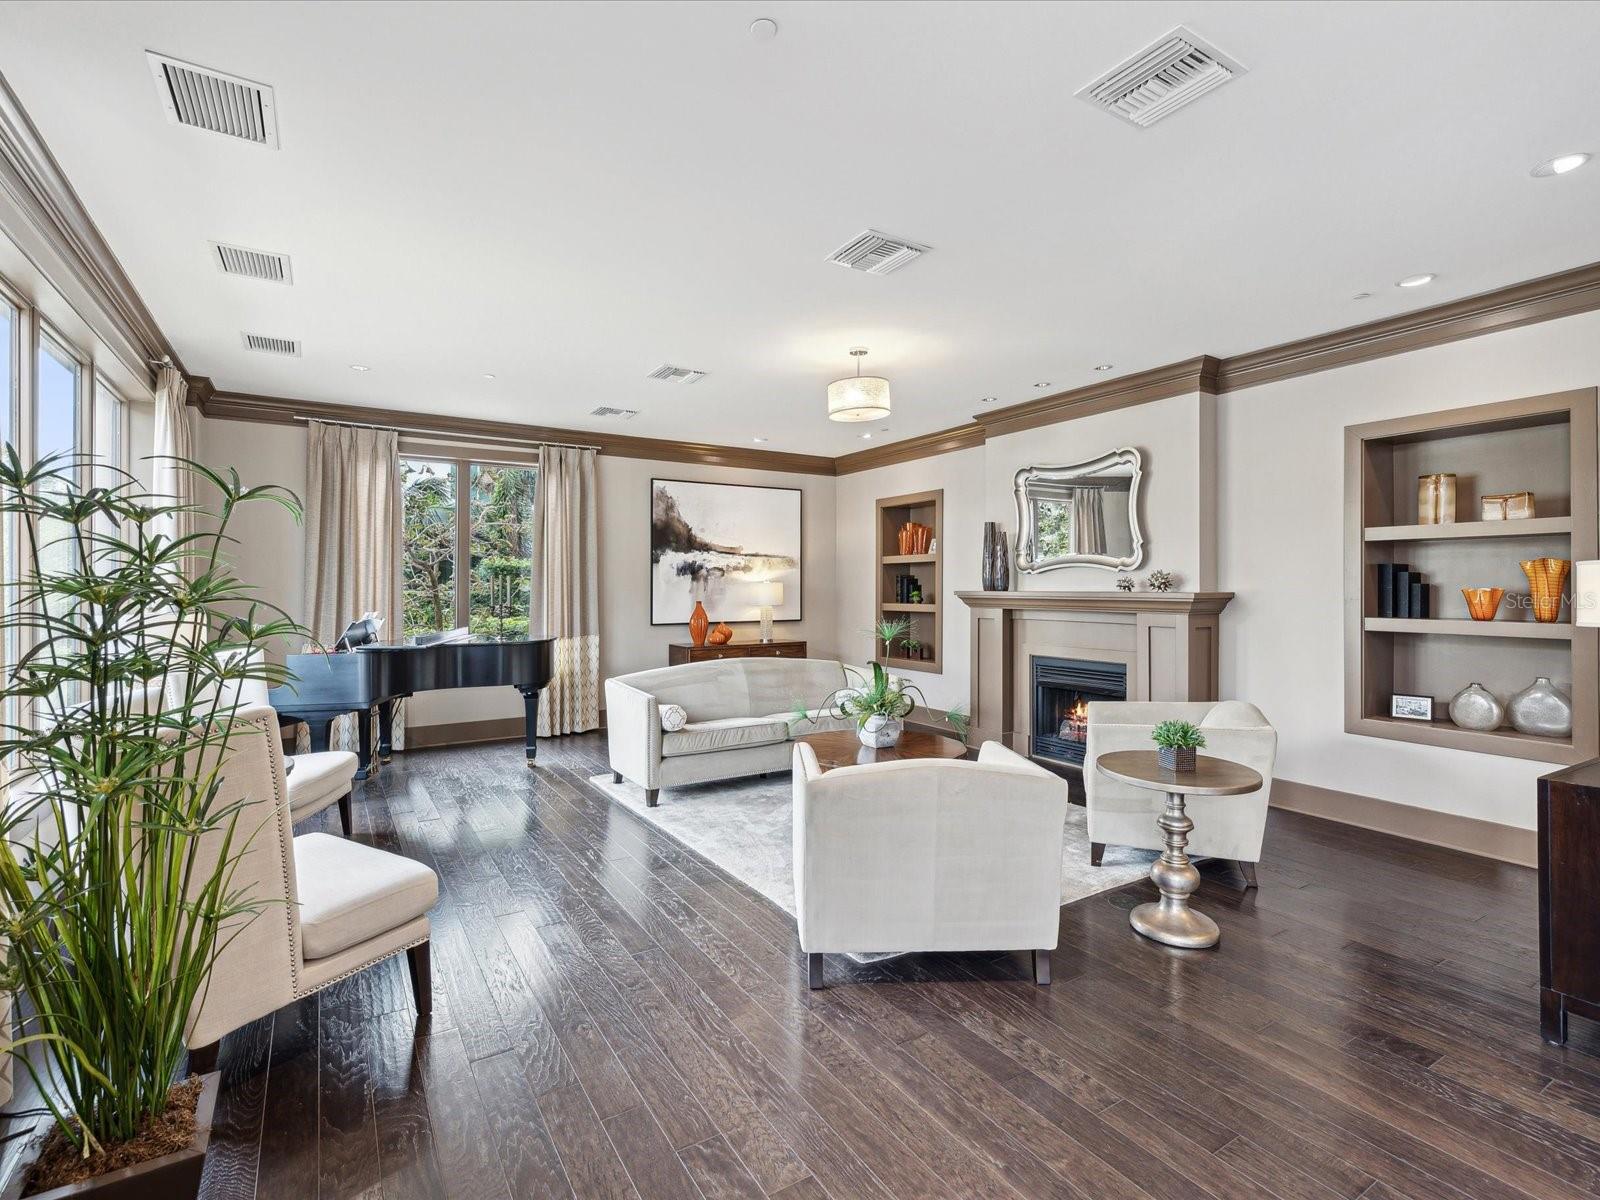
{"x": 330, "y": 907}
{"x": 1224, "y": 826}
{"x": 928, "y": 855}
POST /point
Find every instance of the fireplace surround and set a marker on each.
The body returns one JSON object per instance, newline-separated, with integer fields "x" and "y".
{"x": 1166, "y": 643}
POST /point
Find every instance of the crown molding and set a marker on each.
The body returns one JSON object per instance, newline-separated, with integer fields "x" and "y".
{"x": 1193, "y": 375}
{"x": 278, "y": 410}
{"x": 41, "y": 193}
{"x": 925, "y": 445}
{"x": 1560, "y": 295}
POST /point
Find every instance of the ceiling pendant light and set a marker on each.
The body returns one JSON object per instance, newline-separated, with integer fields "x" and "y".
{"x": 858, "y": 397}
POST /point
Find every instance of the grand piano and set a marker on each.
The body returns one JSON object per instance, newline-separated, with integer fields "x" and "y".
{"x": 325, "y": 686}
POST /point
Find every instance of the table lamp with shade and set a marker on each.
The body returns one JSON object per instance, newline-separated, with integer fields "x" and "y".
{"x": 766, "y": 595}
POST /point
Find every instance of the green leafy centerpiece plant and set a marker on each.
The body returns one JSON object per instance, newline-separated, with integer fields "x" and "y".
{"x": 878, "y": 702}
{"x": 1178, "y": 743}
{"x": 128, "y": 648}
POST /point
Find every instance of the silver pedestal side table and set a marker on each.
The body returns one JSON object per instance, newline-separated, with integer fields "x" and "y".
{"x": 1170, "y": 920}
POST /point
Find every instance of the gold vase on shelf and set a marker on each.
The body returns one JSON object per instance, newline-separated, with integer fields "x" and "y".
{"x": 1545, "y": 577}
{"x": 1436, "y": 499}
{"x": 1483, "y": 602}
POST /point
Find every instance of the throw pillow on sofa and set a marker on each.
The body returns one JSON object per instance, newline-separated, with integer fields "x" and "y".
{"x": 673, "y": 717}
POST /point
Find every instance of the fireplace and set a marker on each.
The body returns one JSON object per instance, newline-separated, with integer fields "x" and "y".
{"x": 1062, "y": 690}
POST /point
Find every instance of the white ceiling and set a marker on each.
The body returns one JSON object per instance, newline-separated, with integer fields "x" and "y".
{"x": 569, "y": 195}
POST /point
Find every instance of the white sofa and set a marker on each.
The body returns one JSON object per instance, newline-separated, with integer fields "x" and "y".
{"x": 1224, "y": 826}
{"x": 739, "y": 711}
{"x": 928, "y": 855}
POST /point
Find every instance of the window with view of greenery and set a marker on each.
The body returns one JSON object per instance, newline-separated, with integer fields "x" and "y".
{"x": 488, "y": 590}
{"x": 1054, "y": 521}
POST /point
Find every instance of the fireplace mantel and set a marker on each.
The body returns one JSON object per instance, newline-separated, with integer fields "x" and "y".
{"x": 1168, "y": 641}
{"x": 1209, "y": 603}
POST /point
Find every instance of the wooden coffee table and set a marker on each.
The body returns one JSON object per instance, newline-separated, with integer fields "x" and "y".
{"x": 1170, "y": 919}
{"x": 842, "y": 748}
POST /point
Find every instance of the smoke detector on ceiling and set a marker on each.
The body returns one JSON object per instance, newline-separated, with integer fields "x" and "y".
{"x": 668, "y": 373}
{"x": 876, "y": 253}
{"x": 252, "y": 264}
{"x": 262, "y": 344}
{"x": 615, "y": 414}
{"x": 1160, "y": 79}
{"x": 214, "y": 101}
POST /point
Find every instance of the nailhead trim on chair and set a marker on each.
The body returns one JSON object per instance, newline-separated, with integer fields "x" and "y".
{"x": 280, "y": 809}
{"x": 299, "y": 995}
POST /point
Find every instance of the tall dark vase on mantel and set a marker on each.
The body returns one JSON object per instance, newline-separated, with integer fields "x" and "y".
{"x": 996, "y": 559}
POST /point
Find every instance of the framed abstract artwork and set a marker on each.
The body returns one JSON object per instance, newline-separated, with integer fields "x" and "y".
{"x": 721, "y": 544}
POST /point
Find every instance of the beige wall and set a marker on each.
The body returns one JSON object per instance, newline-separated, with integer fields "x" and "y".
{"x": 271, "y": 556}
{"x": 1281, "y": 530}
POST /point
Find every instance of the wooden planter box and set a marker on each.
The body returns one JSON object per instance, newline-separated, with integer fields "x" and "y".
{"x": 170, "y": 1177}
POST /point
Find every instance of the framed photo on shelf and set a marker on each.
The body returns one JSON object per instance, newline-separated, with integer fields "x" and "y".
{"x": 1411, "y": 708}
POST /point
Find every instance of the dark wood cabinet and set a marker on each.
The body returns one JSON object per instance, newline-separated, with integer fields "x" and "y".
{"x": 1569, "y": 897}
{"x": 687, "y": 652}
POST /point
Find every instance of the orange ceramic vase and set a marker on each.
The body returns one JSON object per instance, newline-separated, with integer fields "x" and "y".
{"x": 721, "y": 635}
{"x": 698, "y": 624}
{"x": 1483, "y": 603}
{"x": 1545, "y": 577}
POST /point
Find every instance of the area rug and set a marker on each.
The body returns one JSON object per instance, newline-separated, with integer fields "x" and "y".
{"x": 745, "y": 826}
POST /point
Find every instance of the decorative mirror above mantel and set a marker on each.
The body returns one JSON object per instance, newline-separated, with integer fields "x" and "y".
{"x": 1082, "y": 515}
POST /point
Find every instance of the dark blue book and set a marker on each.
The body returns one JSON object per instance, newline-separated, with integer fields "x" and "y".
{"x": 1386, "y": 587}
{"x": 1419, "y": 599}
{"x": 1402, "y": 591}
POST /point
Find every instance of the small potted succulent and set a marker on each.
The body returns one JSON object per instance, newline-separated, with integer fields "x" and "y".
{"x": 1177, "y": 742}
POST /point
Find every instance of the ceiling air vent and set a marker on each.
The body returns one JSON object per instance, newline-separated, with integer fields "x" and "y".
{"x": 252, "y": 264}
{"x": 671, "y": 374}
{"x": 263, "y": 344}
{"x": 876, "y": 253}
{"x": 615, "y": 414}
{"x": 205, "y": 99}
{"x": 1161, "y": 79}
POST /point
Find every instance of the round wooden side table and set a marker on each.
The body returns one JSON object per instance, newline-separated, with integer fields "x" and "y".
{"x": 1170, "y": 920}
{"x": 842, "y": 748}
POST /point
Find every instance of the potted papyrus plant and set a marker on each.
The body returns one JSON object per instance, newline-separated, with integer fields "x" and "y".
{"x": 116, "y": 713}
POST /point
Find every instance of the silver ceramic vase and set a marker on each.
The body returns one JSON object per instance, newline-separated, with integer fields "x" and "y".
{"x": 1541, "y": 708}
{"x": 1475, "y": 707}
{"x": 879, "y": 731}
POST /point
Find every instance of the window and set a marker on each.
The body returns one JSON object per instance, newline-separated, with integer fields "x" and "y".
{"x": 493, "y": 515}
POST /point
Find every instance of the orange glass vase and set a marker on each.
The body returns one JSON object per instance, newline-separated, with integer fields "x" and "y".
{"x": 1545, "y": 578}
{"x": 698, "y": 624}
{"x": 1483, "y": 603}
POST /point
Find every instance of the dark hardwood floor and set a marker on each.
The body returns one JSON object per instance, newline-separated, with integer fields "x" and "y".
{"x": 615, "y": 1018}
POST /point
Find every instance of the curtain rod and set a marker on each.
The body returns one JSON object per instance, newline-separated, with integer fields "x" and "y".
{"x": 458, "y": 437}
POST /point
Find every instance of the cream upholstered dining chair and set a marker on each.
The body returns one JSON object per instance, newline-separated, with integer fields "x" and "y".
{"x": 1224, "y": 826}
{"x": 316, "y": 780}
{"x": 329, "y": 907}
{"x": 928, "y": 855}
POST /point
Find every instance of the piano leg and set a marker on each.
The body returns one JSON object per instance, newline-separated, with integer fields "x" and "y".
{"x": 364, "y": 763}
{"x": 318, "y": 729}
{"x": 385, "y": 730}
{"x": 530, "y": 724}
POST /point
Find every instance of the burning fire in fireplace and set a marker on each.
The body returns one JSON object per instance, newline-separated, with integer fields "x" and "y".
{"x": 1075, "y": 725}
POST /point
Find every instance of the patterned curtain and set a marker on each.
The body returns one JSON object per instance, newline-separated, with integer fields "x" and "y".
{"x": 352, "y": 538}
{"x": 565, "y": 596}
{"x": 174, "y": 438}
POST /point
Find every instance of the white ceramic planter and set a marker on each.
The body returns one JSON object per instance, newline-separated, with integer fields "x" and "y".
{"x": 879, "y": 732}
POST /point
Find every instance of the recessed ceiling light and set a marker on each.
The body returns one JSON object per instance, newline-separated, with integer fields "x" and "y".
{"x": 758, "y": 441}
{"x": 1559, "y": 165}
{"x": 987, "y": 399}
{"x": 1106, "y": 367}
{"x": 1416, "y": 280}
{"x": 1362, "y": 296}
{"x": 763, "y": 29}
{"x": 486, "y": 375}
{"x": 359, "y": 367}
{"x": 1044, "y": 384}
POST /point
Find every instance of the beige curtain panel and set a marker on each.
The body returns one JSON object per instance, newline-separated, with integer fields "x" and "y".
{"x": 565, "y": 595}
{"x": 174, "y": 438}
{"x": 352, "y": 537}
{"x": 1088, "y": 520}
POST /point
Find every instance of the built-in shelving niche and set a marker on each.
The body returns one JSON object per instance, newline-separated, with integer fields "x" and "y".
{"x": 925, "y": 508}
{"x": 1542, "y": 444}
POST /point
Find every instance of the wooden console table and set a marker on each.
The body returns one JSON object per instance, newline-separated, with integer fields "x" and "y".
{"x": 688, "y": 652}
{"x": 1569, "y": 892}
